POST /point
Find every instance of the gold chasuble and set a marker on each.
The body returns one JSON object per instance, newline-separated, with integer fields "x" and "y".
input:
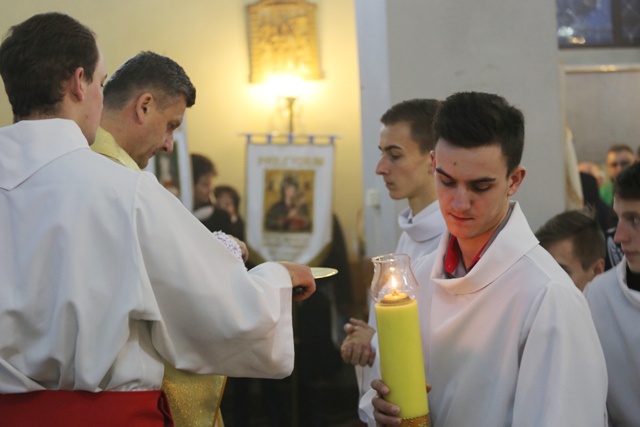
{"x": 194, "y": 399}
{"x": 108, "y": 147}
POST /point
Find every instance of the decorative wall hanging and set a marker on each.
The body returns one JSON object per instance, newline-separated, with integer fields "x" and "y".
{"x": 282, "y": 40}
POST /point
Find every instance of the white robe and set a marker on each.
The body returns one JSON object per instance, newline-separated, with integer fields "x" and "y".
{"x": 616, "y": 314}
{"x": 421, "y": 236}
{"x": 104, "y": 273}
{"x": 420, "y": 233}
{"x": 510, "y": 344}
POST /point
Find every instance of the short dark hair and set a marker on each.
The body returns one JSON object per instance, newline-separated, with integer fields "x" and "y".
{"x": 232, "y": 192}
{"x": 39, "y": 55}
{"x": 201, "y": 165}
{"x": 475, "y": 119}
{"x": 620, "y": 148}
{"x": 148, "y": 72}
{"x": 627, "y": 183}
{"x": 419, "y": 114}
{"x": 583, "y": 230}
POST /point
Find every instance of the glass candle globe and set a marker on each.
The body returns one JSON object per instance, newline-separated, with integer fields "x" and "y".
{"x": 393, "y": 278}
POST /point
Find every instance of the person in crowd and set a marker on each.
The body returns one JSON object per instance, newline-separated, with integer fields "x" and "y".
{"x": 619, "y": 156}
{"x": 144, "y": 103}
{"x": 594, "y": 204}
{"x": 614, "y": 299}
{"x": 228, "y": 199}
{"x": 406, "y": 141}
{"x": 105, "y": 272}
{"x": 574, "y": 239}
{"x": 592, "y": 169}
{"x": 502, "y": 325}
{"x": 204, "y": 205}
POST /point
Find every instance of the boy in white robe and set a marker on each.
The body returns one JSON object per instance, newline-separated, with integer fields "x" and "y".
{"x": 614, "y": 299}
{"x": 406, "y": 140}
{"x": 575, "y": 240}
{"x": 507, "y": 338}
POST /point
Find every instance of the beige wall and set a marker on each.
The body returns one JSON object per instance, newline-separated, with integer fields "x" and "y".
{"x": 209, "y": 39}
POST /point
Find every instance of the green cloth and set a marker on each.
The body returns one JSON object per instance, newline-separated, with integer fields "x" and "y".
{"x": 606, "y": 193}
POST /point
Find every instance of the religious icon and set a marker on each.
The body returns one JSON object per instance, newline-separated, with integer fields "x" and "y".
{"x": 292, "y": 211}
{"x": 282, "y": 39}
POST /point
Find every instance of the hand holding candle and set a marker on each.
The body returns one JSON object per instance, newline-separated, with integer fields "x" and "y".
{"x": 393, "y": 289}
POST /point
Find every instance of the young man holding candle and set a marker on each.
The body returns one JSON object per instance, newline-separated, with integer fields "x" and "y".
{"x": 507, "y": 337}
{"x": 614, "y": 299}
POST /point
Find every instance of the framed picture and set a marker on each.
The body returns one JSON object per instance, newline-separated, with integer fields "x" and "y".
{"x": 282, "y": 39}
{"x": 174, "y": 169}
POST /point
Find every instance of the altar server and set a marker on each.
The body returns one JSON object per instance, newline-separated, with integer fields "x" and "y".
{"x": 507, "y": 338}
{"x": 104, "y": 272}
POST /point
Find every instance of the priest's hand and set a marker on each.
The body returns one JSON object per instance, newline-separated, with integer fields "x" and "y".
{"x": 304, "y": 285}
{"x": 385, "y": 413}
{"x": 356, "y": 348}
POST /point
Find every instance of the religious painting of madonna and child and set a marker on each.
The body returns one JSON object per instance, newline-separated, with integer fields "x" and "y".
{"x": 288, "y": 200}
{"x": 289, "y": 195}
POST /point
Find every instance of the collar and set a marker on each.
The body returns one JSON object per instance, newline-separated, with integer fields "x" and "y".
{"x": 29, "y": 145}
{"x": 500, "y": 255}
{"x": 453, "y": 268}
{"x": 106, "y": 145}
{"x": 424, "y": 225}
{"x": 453, "y": 264}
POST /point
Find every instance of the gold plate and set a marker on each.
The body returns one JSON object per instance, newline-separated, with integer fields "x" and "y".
{"x": 322, "y": 272}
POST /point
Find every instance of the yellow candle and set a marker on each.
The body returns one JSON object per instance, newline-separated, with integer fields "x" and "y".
{"x": 400, "y": 352}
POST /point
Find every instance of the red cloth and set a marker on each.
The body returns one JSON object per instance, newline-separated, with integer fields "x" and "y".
{"x": 58, "y": 408}
{"x": 452, "y": 256}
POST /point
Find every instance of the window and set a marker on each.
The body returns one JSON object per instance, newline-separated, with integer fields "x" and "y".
{"x": 598, "y": 23}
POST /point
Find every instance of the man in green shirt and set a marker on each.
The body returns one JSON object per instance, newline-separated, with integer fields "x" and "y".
{"x": 619, "y": 156}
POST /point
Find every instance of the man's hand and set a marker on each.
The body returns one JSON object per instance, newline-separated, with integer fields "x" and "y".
{"x": 356, "y": 348}
{"x": 385, "y": 413}
{"x": 304, "y": 285}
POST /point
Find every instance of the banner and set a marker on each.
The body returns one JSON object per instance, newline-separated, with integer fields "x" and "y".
{"x": 289, "y": 201}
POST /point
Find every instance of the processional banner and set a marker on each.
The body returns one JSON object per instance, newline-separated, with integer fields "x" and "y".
{"x": 289, "y": 201}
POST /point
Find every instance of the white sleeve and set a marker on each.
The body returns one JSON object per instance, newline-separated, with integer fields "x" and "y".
{"x": 208, "y": 313}
{"x": 562, "y": 378}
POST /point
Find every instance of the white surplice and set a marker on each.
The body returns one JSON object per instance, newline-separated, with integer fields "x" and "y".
{"x": 103, "y": 274}
{"x": 510, "y": 344}
{"x": 616, "y": 314}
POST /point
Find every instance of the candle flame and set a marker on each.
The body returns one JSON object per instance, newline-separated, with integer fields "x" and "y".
{"x": 394, "y": 285}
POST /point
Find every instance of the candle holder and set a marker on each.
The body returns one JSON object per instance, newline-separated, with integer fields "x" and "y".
{"x": 394, "y": 289}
